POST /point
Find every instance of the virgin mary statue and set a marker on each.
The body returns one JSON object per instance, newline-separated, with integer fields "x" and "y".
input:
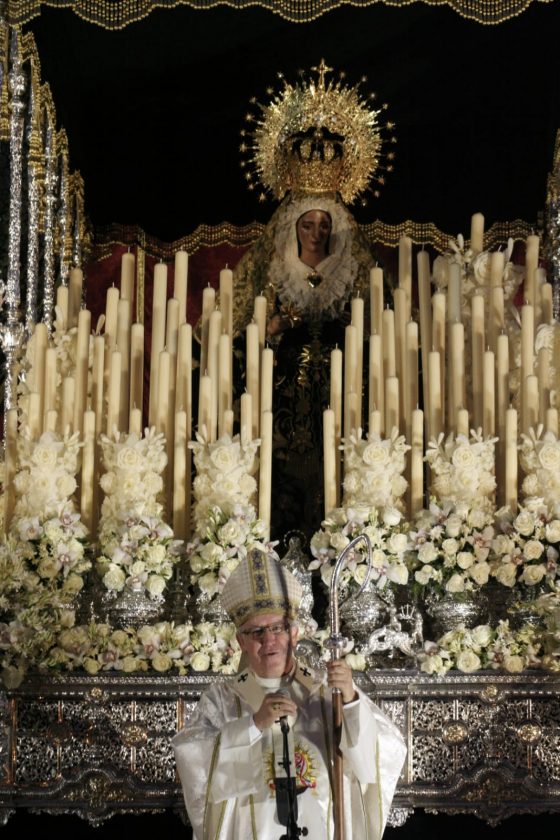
{"x": 316, "y": 148}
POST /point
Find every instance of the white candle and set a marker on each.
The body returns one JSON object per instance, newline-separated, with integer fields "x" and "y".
{"x": 329, "y": 461}
{"x": 546, "y": 303}
{"x": 388, "y": 338}
{"x": 135, "y": 422}
{"x": 128, "y": 268}
{"x": 357, "y": 320}
{"x": 180, "y": 278}
{"x": 477, "y": 355}
{"x": 424, "y": 297}
{"x": 376, "y": 382}
{"x": 51, "y": 385}
{"x": 405, "y": 271}
{"x": 224, "y": 380}
{"x": 204, "y": 399}
{"x": 417, "y": 462}
{"x": 183, "y": 388}
{"x": 457, "y": 369}
{"x": 111, "y": 307}
{"x": 265, "y": 470}
{"x": 75, "y": 283}
{"x": 374, "y": 432}
{"x": 253, "y": 373}
{"x": 226, "y": 299}
{"x": 246, "y": 419}
{"x": 391, "y": 404}
{"x": 37, "y": 379}
{"x": 376, "y": 300}
{"x": 439, "y": 303}
{"x": 497, "y": 266}
{"x": 51, "y": 420}
{"x": 228, "y": 422}
{"x": 477, "y": 232}
{"x": 531, "y": 403}
{"x": 411, "y": 390}
{"x": 260, "y": 307}
{"x": 67, "y": 408}
{"x": 159, "y": 308}
{"x": 511, "y": 460}
{"x": 34, "y": 415}
{"x": 88, "y": 470}
{"x": 82, "y": 364}
{"x": 62, "y": 306}
{"x": 137, "y": 367}
{"x": 179, "y": 476}
{"x": 462, "y": 422}
{"x": 454, "y": 294}
{"x": 267, "y": 366}
{"x": 123, "y": 345}
{"x": 543, "y": 376}
{"x": 208, "y": 306}
{"x": 399, "y": 298}
{"x": 531, "y": 265}
{"x": 113, "y": 408}
{"x": 551, "y": 423}
{"x": 496, "y": 315}
{"x": 435, "y": 419}
{"x": 97, "y": 381}
{"x": 489, "y": 395}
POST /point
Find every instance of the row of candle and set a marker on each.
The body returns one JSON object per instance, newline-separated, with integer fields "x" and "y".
{"x": 440, "y": 346}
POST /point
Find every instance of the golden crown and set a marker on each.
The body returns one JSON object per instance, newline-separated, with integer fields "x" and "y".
{"x": 316, "y": 136}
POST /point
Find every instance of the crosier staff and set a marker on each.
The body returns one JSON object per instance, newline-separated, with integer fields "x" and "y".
{"x": 337, "y": 643}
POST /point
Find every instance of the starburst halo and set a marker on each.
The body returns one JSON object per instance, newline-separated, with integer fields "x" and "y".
{"x": 317, "y": 136}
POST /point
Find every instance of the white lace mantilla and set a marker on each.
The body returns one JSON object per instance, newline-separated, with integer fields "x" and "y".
{"x": 289, "y": 275}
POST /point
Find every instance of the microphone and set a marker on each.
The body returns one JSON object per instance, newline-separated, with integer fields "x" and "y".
{"x": 283, "y": 720}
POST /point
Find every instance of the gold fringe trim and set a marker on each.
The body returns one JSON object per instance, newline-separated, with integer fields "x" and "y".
{"x": 116, "y": 14}
{"x": 226, "y": 233}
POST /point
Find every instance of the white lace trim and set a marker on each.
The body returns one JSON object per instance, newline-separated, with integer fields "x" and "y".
{"x": 288, "y": 275}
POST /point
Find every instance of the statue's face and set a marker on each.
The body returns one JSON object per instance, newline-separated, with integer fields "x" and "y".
{"x": 313, "y": 231}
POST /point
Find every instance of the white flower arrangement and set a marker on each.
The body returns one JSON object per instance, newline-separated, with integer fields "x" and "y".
{"x": 160, "y": 647}
{"x": 226, "y": 525}
{"x": 463, "y": 469}
{"x": 475, "y": 272}
{"x": 225, "y": 475}
{"x": 387, "y": 532}
{"x": 482, "y": 647}
{"x": 539, "y": 457}
{"x": 224, "y": 540}
{"x": 373, "y": 470}
{"x": 450, "y": 548}
{"x": 137, "y": 549}
{"x": 526, "y": 548}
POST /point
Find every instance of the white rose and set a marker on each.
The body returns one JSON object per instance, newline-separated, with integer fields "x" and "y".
{"x": 161, "y": 662}
{"x": 481, "y": 635}
{"x": 524, "y": 523}
{"x": 506, "y": 574}
{"x": 453, "y": 525}
{"x": 513, "y": 664}
{"x": 450, "y": 547}
{"x": 549, "y": 456}
{"x": 391, "y": 517}
{"x": 200, "y": 661}
{"x": 427, "y": 553}
{"x": 92, "y": 666}
{"x": 533, "y": 549}
{"x": 398, "y": 574}
{"x": 155, "y": 586}
{"x": 433, "y": 665}
{"x": 66, "y": 485}
{"x": 423, "y": 575}
{"x": 128, "y": 458}
{"x": 44, "y": 456}
{"x": 530, "y": 485}
{"x": 231, "y": 533}
{"x": 553, "y": 531}
{"x": 464, "y": 458}
{"x": 465, "y": 559}
{"x": 480, "y": 573}
{"x": 455, "y": 584}
{"x": 468, "y": 661}
{"x": 114, "y": 578}
{"x": 339, "y": 541}
{"x": 360, "y": 573}
{"x": 481, "y": 268}
{"x": 397, "y": 543}
{"x": 107, "y": 482}
{"x": 225, "y": 458}
{"x": 375, "y": 454}
{"x": 533, "y": 574}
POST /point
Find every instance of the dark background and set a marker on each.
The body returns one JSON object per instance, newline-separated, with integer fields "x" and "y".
{"x": 153, "y": 114}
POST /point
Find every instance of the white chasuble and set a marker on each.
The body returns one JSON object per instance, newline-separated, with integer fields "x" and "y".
{"x": 226, "y": 766}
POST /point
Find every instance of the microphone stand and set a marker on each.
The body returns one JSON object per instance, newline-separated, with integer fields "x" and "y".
{"x": 286, "y": 795}
{"x": 337, "y": 644}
